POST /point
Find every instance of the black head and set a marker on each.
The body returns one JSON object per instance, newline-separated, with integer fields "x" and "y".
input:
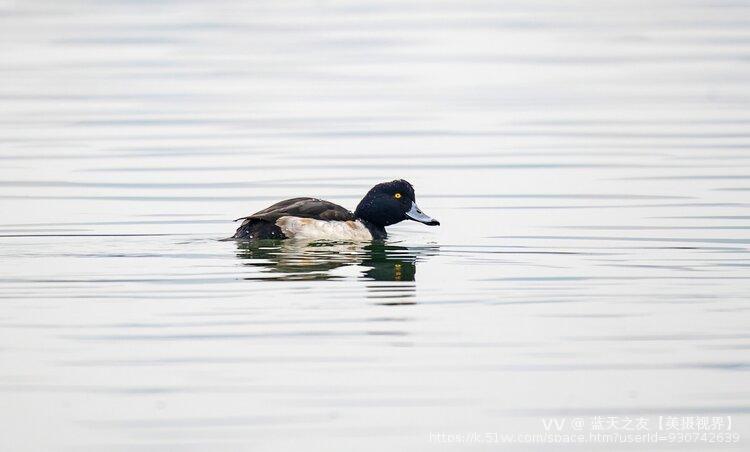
{"x": 391, "y": 202}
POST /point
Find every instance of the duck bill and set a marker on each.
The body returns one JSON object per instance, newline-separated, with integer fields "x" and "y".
{"x": 417, "y": 215}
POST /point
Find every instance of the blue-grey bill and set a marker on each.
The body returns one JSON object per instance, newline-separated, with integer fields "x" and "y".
{"x": 417, "y": 215}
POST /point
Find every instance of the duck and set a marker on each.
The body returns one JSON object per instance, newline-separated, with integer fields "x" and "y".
{"x": 314, "y": 219}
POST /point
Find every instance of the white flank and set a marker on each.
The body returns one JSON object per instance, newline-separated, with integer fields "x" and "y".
{"x": 311, "y": 229}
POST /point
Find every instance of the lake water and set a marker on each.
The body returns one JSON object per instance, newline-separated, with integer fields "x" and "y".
{"x": 589, "y": 163}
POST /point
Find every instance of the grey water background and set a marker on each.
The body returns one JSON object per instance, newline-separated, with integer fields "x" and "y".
{"x": 588, "y": 161}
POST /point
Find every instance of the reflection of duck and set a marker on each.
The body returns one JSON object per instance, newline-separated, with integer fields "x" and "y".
{"x": 390, "y": 263}
{"x": 289, "y": 260}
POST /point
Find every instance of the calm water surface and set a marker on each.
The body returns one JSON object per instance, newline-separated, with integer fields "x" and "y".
{"x": 589, "y": 162}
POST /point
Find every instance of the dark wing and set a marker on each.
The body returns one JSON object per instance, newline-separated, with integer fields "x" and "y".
{"x": 302, "y": 207}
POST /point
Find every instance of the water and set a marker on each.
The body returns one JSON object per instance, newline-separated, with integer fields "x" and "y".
{"x": 588, "y": 162}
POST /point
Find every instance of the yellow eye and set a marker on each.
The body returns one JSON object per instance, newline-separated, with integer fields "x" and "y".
{"x": 397, "y": 196}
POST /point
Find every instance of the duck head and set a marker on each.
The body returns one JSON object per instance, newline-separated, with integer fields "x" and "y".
{"x": 391, "y": 202}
